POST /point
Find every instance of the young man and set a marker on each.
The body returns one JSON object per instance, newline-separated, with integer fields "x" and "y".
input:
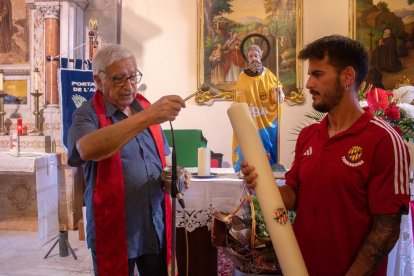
{"x": 117, "y": 138}
{"x": 349, "y": 182}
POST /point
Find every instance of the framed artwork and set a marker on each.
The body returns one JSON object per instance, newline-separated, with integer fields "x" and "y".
{"x": 16, "y": 90}
{"x": 14, "y": 32}
{"x": 386, "y": 29}
{"x": 17, "y": 87}
{"x": 226, "y": 27}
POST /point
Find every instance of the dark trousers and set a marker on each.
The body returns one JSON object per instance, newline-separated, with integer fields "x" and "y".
{"x": 148, "y": 265}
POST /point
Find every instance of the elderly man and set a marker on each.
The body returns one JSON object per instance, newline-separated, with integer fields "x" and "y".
{"x": 261, "y": 90}
{"x": 117, "y": 138}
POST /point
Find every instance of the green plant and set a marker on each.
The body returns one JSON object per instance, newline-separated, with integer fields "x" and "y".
{"x": 261, "y": 230}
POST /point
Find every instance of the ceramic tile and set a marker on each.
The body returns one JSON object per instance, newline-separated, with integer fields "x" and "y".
{"x": 21, "y": 254}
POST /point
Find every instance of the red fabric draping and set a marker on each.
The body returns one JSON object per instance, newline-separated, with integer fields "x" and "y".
{"x": 109, "y": 202}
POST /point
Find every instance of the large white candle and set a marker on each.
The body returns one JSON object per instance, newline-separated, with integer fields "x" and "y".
{"x": 204, "y": 157}
{"x": 282, "y": 236}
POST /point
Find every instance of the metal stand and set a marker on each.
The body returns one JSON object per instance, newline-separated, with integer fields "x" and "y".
{"x": 64, "y": 245}
{"x": 37, "y": 131}
{"x": 3, "y": 131}
{"x": 174, "y": 235}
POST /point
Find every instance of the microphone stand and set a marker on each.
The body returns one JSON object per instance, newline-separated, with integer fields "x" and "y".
{"x": 174, "y": 192}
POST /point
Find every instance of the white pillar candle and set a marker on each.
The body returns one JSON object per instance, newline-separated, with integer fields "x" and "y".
{"x": 282, "y": 235}
{"x": 36, "y": 79}
{"x": 204, "y": 156}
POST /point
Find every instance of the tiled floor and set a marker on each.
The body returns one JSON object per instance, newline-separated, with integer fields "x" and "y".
{"x": 21, "y": 254}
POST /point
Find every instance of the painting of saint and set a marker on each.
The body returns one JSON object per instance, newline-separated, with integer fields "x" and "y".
{"x": 14, "y": 32}
{"x": 386, "y": 28}
{"x": 228, "y": 22}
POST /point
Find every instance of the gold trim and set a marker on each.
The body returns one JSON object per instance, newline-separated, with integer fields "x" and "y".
{"x": 200, "y": 42}
{"x": 352, "y": 19}
{"x": 298, "y": 97}
{"x": 295, "y": 98}
{"x": 209, "y": 97}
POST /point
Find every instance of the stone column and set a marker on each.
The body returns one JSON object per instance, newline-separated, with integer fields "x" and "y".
{"x": 51, "y": 15}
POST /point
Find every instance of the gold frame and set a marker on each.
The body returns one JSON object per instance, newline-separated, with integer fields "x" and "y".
{"x": 226, "y": 91}
{"x": 390, "y": 80}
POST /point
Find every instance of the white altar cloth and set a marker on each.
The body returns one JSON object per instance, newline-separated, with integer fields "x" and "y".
{"x": 20, "y": 174}
{"x": 205, "y": 196}
{"x": 25, "y": 162}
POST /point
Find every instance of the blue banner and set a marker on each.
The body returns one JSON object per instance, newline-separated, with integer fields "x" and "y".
{"x": 76, "y": 86}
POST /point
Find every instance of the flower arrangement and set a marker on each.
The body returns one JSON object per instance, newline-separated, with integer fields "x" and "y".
{"x": 394, "y": 107}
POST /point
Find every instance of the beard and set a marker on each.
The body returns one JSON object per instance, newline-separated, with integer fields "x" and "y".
{"x": 330, "y": 99}
{"x": 256, "y": 66}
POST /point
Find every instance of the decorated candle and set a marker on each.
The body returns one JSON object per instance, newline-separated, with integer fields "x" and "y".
{"x": 270, "y": 201}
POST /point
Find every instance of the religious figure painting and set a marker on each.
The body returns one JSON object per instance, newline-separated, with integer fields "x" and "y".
{"x": 14, "y": 32}
{"x": 227, "y": 27}
{"x": 386, "y": 28}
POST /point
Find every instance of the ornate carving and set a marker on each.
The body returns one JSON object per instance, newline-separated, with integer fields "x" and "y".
{"x": 51, "y": 10}
{"x": 208, "y": 97}
{"x": 295, "y": 98}
{"x": 21, "y": 194}
{"x": 16, "y": 72}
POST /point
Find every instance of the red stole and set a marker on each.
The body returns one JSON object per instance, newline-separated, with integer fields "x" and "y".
{"x": 109, "y": 202}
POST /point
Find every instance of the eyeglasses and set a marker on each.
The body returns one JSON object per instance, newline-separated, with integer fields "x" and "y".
{"x": 121, "y": 80}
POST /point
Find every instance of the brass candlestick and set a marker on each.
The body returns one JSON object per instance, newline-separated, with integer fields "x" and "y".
{"x": 37, "y": 131}
{"x": 3, "y": 131}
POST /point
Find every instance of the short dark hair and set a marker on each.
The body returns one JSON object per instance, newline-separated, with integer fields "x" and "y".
{"x": 341, "y": 52}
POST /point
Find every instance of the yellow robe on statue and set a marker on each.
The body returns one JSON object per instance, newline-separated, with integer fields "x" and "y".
{"x": 260, "y": 93}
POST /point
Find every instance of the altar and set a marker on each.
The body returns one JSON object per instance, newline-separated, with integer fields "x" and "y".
{"x": 29, "y": 193}
{"x": 219, "y": 193}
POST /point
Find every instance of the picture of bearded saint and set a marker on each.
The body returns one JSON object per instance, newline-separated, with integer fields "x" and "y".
{"x": 261, "y": 90}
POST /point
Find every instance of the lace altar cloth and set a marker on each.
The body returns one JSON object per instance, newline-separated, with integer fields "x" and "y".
{"x": 219, "y": 193}
{"x": 25, "y": 162}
